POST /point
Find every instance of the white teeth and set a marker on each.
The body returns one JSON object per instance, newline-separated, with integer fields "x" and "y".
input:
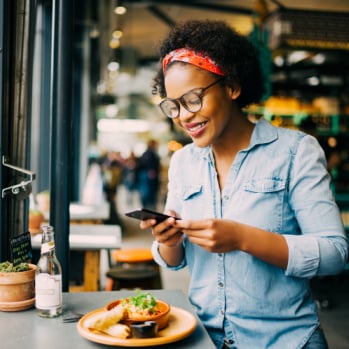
{"x": 193, "y": 129}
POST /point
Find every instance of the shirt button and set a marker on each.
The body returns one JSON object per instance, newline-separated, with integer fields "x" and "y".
{"x": 226, "y": 197}
{"x": 222, "y": 312}
{"x": 220, "y": 254}
{"x": 220, "y": 284}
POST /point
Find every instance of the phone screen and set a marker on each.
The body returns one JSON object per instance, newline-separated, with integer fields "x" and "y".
{"x": 144, "y": 214}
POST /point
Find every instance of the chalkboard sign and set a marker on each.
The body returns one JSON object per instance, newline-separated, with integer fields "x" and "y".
{"x": 21, "y": 249}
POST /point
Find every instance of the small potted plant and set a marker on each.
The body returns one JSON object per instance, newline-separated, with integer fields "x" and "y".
{"x": 17, "y": 286}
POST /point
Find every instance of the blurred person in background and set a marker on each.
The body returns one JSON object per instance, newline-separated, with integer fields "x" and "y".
{"x": 111, "y": 165}
{"x": 149, "y": 175}
{"x": 130, "y": 178}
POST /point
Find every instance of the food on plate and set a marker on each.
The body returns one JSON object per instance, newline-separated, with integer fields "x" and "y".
{"x": 103, "y": 320}
{"x": 147, "y": 314}
{"x": 143, "y": 304}
{"x": 143, "y": 307}
{"x": 118, "y": 330}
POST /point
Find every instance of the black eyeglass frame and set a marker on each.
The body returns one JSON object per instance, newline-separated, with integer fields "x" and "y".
{"x": 177, "y": 102}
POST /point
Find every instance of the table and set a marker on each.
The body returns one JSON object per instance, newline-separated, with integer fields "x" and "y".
{"x": 90, "y": 238}
{"x": 82, "y": 213}
{"x": 26, "y": 329}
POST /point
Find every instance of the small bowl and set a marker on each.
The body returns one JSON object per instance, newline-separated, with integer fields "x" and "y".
{"x": 161, "y": 317}
{"x": 147, "y": 329}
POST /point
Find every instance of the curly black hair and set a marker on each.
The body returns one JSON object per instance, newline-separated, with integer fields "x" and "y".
{"x": 234, "y": 53}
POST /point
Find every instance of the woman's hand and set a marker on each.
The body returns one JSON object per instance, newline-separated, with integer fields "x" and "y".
{"x": 165, "y": 232}
{"x": 213, "y": 235}
{"x": 169, "y": 237}
{"x": 219, "y": 235}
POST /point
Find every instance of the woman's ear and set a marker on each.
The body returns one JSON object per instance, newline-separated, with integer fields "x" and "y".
{"x": 234, "y": 91}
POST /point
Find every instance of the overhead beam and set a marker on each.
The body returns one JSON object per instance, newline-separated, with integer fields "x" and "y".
{"x": 162, "y": 16}
{"x": 196, "y": 4}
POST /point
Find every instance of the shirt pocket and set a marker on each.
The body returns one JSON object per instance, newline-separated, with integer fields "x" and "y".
{"x": 191, "y": 198}
{"x": 262, "y": 202}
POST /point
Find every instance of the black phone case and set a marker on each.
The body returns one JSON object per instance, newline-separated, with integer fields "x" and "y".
{"x": 144, "y": 214}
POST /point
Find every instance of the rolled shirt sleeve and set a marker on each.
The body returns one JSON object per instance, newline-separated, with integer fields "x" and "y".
{"x": 322, "y": 247}
{"x": 308, "y": 253}
{"x": 158, "y": 259}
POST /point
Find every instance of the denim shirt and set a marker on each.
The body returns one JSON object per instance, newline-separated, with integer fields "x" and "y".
{"x": 280, "y": 184}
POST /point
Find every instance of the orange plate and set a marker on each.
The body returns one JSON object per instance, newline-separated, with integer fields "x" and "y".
{"x": 181, "y": 324}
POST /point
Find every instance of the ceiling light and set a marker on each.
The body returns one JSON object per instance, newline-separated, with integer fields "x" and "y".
{"x": 297, "y": 56}
{"x": 279, "y": 61}
{"x": 114, "y": 43}
{"x": 120, "y": 10}
{"x": 319, "y": 58}
{"x": 94, "y": 32}
{"x": 117, "y": 34}
{"x": 313, "y": 81}
{"x": 113, "y": 66}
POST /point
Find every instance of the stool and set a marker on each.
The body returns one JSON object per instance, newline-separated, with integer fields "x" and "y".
{"x": 135, "y": 268}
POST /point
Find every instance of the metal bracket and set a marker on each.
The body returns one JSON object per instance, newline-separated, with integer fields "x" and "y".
{"x": 22, "y": 186}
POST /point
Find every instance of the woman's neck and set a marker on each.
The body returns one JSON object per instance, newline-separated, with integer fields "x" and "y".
{"x": 225, "y": 150}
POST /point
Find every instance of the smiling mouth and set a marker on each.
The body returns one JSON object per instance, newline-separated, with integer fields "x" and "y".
{"x": 196, "y": 127}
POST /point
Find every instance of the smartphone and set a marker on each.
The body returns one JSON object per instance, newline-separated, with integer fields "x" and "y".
{"x": 143, "y": 214}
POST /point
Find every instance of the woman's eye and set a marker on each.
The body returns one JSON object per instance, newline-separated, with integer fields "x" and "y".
{"x": 192, "y": 99}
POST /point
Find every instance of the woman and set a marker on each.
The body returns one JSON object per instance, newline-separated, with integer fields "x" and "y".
{"x": 258, "y": 219}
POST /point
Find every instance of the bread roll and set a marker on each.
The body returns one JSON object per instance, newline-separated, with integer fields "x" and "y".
{"x": 118, "y": 330}
{"x": 105, "y": 319}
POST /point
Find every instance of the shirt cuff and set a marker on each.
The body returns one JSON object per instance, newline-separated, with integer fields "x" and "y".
{"x": 159, "y": 260}
{"x": 304, "y": 256}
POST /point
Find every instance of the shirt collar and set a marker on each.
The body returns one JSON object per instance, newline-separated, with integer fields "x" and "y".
{"x": 263, "y": 133}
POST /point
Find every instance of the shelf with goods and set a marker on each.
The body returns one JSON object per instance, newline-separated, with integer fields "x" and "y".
{"x": 291, "y": 112}
{"x": 323, "y": 119}
{"x": 310, "y": 84}
{"x": 310, "y": 91}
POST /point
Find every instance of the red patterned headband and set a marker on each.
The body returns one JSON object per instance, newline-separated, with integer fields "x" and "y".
{"x": 190, "y": 56}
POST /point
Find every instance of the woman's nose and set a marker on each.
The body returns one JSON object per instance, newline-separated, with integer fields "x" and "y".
{"x": 184, "y": 113}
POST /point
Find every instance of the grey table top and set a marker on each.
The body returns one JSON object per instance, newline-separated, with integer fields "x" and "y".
{"x": 25, "y": 329}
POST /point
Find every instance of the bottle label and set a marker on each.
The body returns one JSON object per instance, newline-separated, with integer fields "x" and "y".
{"x": 47, "y": 247}
{"x": 48, "y": 290}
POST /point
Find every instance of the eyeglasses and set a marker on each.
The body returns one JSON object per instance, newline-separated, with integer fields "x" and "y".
{"x": 191, "y": 101}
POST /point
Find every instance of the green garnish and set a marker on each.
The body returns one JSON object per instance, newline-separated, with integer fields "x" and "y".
{"x": 8, "y": 267}
{"x": 142, "y": 301}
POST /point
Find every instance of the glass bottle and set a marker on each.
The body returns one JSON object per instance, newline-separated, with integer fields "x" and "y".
{"x": 48, "y": 277}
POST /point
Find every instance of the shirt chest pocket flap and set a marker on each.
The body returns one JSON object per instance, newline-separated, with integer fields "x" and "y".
{"x": 265, "y": 199}
{"x": 265, "y": 185}
{"x": 191, "y": 198}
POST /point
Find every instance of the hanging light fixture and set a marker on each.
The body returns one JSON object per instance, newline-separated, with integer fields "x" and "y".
{"x": 114, "y": 43}
{"x": 120, "y": 9}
